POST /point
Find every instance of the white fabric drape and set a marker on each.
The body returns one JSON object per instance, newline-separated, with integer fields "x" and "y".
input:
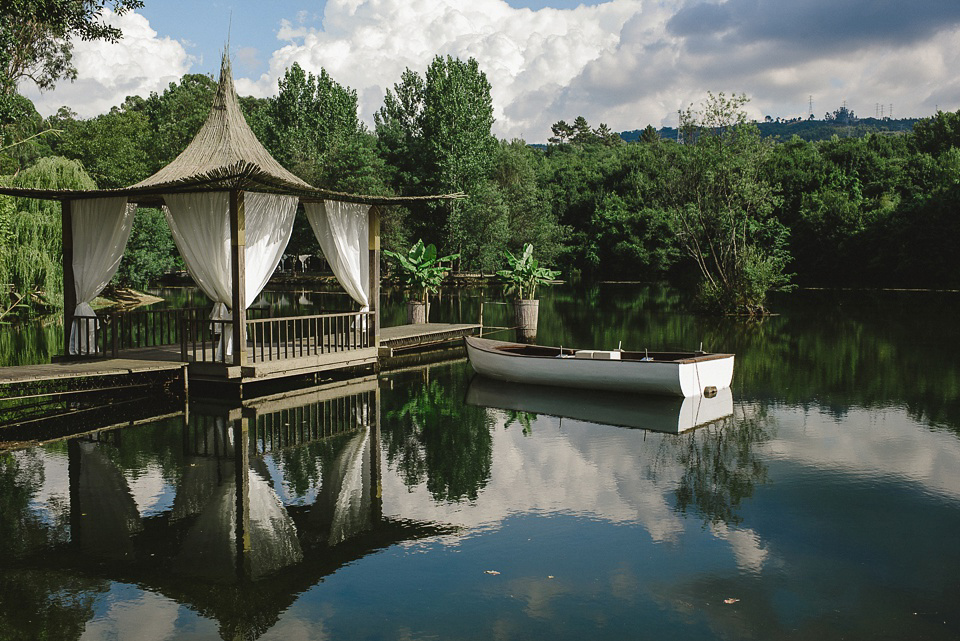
{"x": 342, "y": 230}
{"x": 200, "y": 223}
{"x": 101, "y": 227}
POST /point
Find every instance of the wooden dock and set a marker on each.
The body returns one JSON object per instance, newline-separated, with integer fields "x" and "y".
{"x": 85, "y": 369}
{"x": 410, "y": 337}
{"x": 142, "y": 366}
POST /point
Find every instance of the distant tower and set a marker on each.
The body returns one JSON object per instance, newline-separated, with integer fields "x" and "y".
{"x": 679, "y": 125}
{"x": 810, "y": 106}
{"x": 891, "y": 111}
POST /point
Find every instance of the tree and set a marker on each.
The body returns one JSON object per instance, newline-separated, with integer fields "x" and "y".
{"x": 36, "y": 40}
{"x": 150, "y": 252}
{"x": 650, "y": 135}
{"x": 175, "y": 116}
{"x": 562, "y": 132}
{"x": 30, "y": 239}
{"x": 312, "y": 128}
{"x": 936, "y": 135}
{"x": 723, "y": 207}
{"x": 435, "y": 133}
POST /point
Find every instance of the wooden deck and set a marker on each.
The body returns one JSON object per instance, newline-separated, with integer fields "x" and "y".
{"x": 83, "y": 369}
{"x": 408, "y": 337}
{"x": 16, "y": 381}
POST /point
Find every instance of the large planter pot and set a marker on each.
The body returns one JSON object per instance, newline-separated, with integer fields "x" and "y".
{"x": 417, "y": 312}
{"x": 527, "y": 313}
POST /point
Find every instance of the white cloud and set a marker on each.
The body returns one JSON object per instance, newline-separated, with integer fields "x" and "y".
{"x": 528, "y": 56}
{"x": 107, "y": 73}
{"x": 626, "y": 63}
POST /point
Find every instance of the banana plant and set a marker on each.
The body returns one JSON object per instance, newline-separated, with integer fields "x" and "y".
{"x": 421, "y": 271}
{"x": 525, "y": 273}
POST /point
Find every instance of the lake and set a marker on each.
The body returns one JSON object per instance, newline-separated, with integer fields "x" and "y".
{"x": 824, "y": 503}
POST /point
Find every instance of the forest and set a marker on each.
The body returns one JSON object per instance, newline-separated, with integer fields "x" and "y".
{"x": 720, "y": 207}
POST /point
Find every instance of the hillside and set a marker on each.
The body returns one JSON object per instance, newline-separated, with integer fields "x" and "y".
{"x": 811, "y": 130}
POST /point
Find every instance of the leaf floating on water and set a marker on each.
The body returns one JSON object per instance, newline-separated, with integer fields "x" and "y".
{"x": 494, "y": 572}
{"x": 729, "y": 601}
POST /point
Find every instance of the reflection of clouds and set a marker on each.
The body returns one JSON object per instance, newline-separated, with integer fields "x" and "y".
{"x": 878, "y": 443}
{"x": 147, "y": 617}
{"x": 589, "y": 470}
{"x": 150, "y": 490}
{"x": 51, "y": 498}
{"x": 290, "y": 628}
{"x": 746, "y": 546}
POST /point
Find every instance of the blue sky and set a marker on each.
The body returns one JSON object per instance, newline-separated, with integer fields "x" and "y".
{"x": 625, "y": 63}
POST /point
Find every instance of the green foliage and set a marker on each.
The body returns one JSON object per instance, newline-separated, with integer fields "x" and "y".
{"x": 433, "y": 437}
{"x": 420, "y": 269}
{"x": 723, "y": 207}
{"x": 111, "y": 147}
{"x": 434, "y": 132}
{"x": 938, "y": 134}
{"x": 312, "y": 128}
{"x": 31, "y": 250}
{"x": 36, "y": 40}
{"x": 150, "y": 251}
{"x": 524, "y": 274}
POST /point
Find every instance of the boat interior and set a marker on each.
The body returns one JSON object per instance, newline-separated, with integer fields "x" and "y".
{"x": 554, "y": 352}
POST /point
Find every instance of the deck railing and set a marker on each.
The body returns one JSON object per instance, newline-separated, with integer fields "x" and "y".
{"x": 274, "y": 339}
{"x": 109, "y": 333}
{"x": 204, "y": 340}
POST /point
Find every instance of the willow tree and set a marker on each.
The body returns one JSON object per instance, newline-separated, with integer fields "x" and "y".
{"x": 31, "y": 249}
{"x": 723, "y": 208}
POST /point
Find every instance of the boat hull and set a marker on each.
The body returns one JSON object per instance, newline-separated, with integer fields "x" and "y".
{"x": 691, "y": 376}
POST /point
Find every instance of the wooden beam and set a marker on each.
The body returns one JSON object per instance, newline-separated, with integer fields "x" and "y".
{"x": 69, "y": 279}
{"x": 238, "y": 250}
{"x": 374, "y": 255}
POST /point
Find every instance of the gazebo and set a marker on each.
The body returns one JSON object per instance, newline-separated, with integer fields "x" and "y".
{"x": 231, "y": 208}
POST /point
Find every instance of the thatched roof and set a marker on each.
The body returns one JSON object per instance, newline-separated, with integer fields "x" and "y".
{"x": 225, "y": 154}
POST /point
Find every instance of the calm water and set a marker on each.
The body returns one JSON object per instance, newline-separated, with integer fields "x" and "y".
{"x": 423, "y": 504}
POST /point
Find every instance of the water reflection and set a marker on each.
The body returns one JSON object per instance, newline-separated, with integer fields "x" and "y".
{"x": 231, "y": 511}
{"x": 660, "y": 414}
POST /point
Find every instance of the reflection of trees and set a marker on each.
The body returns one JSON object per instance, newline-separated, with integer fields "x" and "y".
{"x": 523, "y": 419}
{"x": 719, "y": 466}
{"x": 30, "y": 589}
{"x": 21, "y": 475}
{"x": 434, "y": 436}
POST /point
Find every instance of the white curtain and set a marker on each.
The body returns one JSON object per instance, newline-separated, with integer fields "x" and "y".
{"x": 101, "y": 227}
{"x": 200, "y": 223}
{"x": 342, "y": 230}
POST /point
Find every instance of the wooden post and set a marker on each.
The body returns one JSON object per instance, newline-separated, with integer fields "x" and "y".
{"x": 69, "y": 285}
{"x": 374, "y": 249}
{"x": 238, "y": 250}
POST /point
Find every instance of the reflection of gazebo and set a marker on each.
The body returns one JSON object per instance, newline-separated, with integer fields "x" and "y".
{"x": 231, "y": 208}
{"x": 227, "y": 546}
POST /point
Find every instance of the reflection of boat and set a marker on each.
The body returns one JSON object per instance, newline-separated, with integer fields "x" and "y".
{"x": 670, "y": 373}
{"x": 659, "y": 413}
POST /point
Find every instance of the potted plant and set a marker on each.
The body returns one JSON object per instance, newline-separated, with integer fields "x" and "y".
{"x": 421, "y": 272}
{"x": 521, "y": 279}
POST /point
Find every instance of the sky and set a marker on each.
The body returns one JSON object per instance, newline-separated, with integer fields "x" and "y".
{"x": 624, "y": 63}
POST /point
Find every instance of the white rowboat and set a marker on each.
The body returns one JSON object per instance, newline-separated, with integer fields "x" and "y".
{"x": 669, "y": 373}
